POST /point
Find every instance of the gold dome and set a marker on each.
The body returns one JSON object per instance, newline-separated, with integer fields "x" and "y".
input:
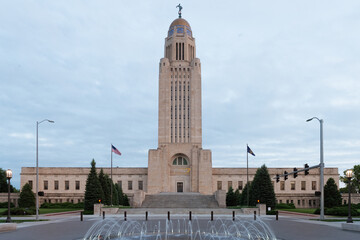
{"x": 180, "y": 21}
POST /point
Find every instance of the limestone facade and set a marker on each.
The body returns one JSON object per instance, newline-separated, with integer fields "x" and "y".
{"x": 300, "y": 190}
{"x": 179, "y": 164}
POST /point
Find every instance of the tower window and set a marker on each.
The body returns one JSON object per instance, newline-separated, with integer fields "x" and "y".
{"x": 176, "y": 53}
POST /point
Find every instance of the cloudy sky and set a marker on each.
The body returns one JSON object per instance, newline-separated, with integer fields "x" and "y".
{"x": 92, "y": 67}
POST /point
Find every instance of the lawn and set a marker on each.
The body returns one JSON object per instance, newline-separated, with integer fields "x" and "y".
{"x": 46, "y": 210}
{"x": 56, "y": 210}
{"x": 300, "y": 210}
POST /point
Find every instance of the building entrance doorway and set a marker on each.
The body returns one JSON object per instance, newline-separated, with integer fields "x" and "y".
{"x": 180, "y": 186}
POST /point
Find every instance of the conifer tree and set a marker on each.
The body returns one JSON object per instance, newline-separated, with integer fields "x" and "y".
{"x": 243, "y": 196}
{"x": 27, "y": 197}
{"x": 237, "y": 197}
{"x": 115, "y": 195}
{"x": 103, "y": 178}
{"x": 120, "y": 194}
{"x": 230, "y": 197}
{"x": 262, "y": 188}
{"x": 332, "y": 196}
{"x": 126, "y": 200}
{"x": 93, "y": 190}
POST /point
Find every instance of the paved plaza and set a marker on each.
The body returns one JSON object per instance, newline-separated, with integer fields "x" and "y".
{"x": 71, "y": 228}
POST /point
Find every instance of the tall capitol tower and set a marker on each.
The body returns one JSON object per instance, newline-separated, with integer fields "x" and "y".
{"x": 179, "y": 164}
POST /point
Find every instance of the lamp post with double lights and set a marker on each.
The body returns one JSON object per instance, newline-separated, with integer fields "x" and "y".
{"x": 349, "y": 174}
{"x": 8, "y": 176}
{"x": 321, "y": 167}
{"x": 37, "y": 165}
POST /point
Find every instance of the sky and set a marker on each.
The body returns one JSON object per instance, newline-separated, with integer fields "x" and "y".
{"x": 92, "y": 67}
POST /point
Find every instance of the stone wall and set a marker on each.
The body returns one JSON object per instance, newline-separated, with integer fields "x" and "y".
{"x": 14, "y": 198}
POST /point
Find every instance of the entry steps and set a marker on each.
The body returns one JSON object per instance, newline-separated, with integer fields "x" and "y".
{"x": 180, "y": 200}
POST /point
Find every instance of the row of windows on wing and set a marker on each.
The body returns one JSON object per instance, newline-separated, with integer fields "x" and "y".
{"x": 56, "y": 185}
{"x": 180, "y": 29}
{"x": 282, "y": 185}
{"x": 180, "y": 161}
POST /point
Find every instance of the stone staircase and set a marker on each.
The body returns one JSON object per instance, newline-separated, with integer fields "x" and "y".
{"x": 180, "y": 200}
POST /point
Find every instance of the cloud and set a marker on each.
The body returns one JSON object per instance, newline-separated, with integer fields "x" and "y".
{"x": 22, "y": 135}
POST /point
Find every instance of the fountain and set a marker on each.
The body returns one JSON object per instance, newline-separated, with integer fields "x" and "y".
{"x": 196, "y": 229}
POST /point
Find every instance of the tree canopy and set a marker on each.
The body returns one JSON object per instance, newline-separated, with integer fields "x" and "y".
{"x": 27, "y": 197}
{"x": 332, "y": 196}
{"x": 93, "y": 189}
{"x": 355, "y": 181}
{"x": 262, "y": 189}
{"x": 4, "y": 182}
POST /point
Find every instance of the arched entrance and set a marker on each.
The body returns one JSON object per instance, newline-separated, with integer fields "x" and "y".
{"x": 180, "y": 174}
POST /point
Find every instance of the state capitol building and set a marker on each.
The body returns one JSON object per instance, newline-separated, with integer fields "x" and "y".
{"x": 179, "y": 164}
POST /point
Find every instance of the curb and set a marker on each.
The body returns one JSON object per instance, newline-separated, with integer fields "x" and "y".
{"x": 7, "y": 227}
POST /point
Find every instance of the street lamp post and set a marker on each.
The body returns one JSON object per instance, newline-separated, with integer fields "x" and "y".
{"x": 321, "y": 167}
{"x": 8, "y": 176}
{"x": 37, "y": 165}
{"x": 349, "y": 174}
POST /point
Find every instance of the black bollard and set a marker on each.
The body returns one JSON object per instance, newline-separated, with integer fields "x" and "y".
{"x": 81, "y": 216}
{"x": 103, "y": 214}
{"x": 277, "y": 215}
{"x": 233, "y": 215}
{"x": 212, "y": 216}
{"x": 124, "y": 215}
{"x": 169, "y": 216}
{"x": 254, "y": 215}
{"x": 146, "y": 216}
{"x": 190, "y": 215}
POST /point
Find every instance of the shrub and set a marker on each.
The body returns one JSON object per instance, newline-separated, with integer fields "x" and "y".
{"x": 63, "y": 205}
{"x": 5, "y": 205}
{"x": 338, "y": 211}
{"x": 20, "y": 211}
{"x": 272, "y": 212}
{"x": 285, "y": 206}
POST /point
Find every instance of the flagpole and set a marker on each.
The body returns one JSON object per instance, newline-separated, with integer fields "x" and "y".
{"x": 111, "y": 177}
{"x": 247, "y": 172}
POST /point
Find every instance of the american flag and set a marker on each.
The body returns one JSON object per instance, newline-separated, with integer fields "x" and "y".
{"x": 114, "y": 150}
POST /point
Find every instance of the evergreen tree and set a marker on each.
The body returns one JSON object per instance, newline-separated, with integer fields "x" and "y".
{"x": 115, "y": 195}
{"x": 126, "y": 200}
{"x": 120, "y": 194}
{"x": 332, "y": 196}
{"x": 27, "y": 197}
{"x": 243, "y": 196}
{"x": 93, "y": 190}
{"x": 237, "y": 197}
{"x": 103, "y": 178}
{"x": 230, "y": 197}
{"x": 262, "y": 189}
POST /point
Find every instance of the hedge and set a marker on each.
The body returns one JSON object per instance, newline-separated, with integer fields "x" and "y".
{"x": 338, "y": 211}
{"x": 285, "y": 206}
{"x": 63, "y": 205}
